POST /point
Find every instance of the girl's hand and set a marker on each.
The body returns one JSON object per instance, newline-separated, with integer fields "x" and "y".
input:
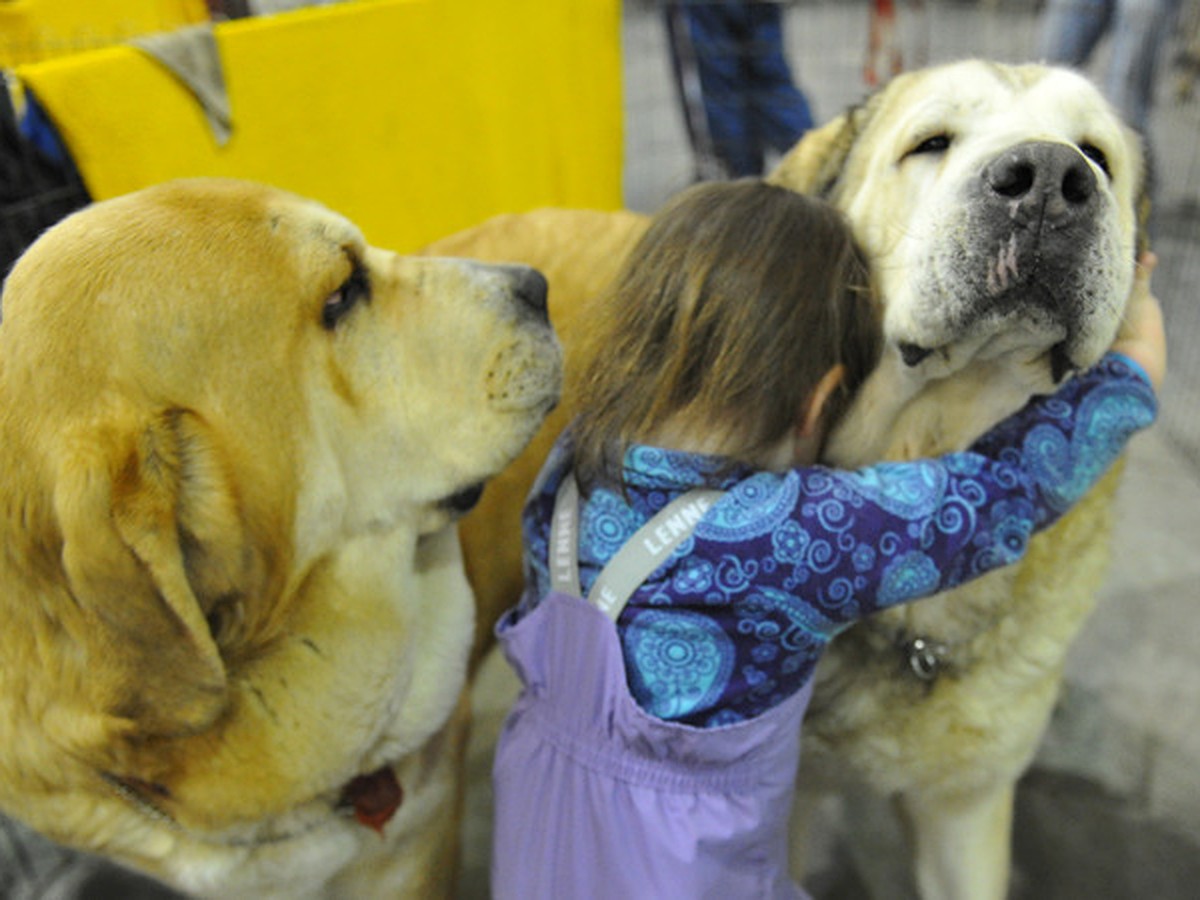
{"x": 1142, "y": 337}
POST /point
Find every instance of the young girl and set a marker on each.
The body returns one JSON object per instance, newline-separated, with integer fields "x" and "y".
{"x": 657, "y": 757}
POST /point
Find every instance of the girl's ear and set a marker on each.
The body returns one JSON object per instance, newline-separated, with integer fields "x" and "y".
{"x": 810, "y": 420}
{"x": 808, "y": 436}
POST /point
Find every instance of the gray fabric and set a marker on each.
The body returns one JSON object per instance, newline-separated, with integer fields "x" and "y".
{"x": 650, "y": 546}
{"x": 191, "y": 55}
{"x": 34, "y": 868}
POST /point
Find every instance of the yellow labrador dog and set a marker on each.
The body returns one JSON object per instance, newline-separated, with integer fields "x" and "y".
{"x": 999, "y": 207}
{"x": 233, "y": 441}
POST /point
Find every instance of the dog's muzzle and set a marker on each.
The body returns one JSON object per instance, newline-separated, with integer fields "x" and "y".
{"x": 1042, "y": 184}
{"x": 1034, "y": 220}
{"x": 1034, "y": 213}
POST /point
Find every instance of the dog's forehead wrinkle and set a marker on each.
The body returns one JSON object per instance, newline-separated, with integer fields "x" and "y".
{"x": 337, "y": 232}
{"x": 987, "y": 100}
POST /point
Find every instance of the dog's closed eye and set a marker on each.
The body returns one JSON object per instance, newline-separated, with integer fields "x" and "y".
{"x": 1096, "y": 155}
{"x": 338, "y": 304}
{"x": 932, "y": 145}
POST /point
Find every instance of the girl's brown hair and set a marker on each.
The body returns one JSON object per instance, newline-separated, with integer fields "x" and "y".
{"x": 731, "y": 307}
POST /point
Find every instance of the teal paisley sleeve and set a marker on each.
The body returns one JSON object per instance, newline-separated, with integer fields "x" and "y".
{"x": 1064, "y": 458}
{"x": 856, "y": 542}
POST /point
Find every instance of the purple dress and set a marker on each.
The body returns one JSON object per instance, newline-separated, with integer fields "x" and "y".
{"x": 600, "y": 776}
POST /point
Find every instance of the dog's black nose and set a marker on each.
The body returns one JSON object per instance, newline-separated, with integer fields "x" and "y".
{"x": 529, "y": 286}
{"x": 1053, "y": 179}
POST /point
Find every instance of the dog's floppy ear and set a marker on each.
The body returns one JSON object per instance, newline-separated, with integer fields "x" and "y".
{"x": 134, "y": 506}
{"x": 815, "y": 163}
{"x": 1145, "y": 190}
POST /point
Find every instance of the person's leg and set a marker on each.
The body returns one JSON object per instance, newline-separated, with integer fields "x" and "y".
{"x": 1070, "y": 30}
{"x": 718, "y": 31}
{"x": 779, "y": 110}
{"x": 1140, "y": 31}
{"x": 691, "y": 95}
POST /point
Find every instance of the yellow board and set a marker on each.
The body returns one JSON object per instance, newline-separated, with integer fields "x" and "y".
{"x": 32, "y": 30}
{"x": 415, "y": 118}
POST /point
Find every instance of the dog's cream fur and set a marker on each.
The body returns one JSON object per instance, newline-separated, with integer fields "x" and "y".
{"x": 233, "y": 441}
{"x": 950, "y": 750}
{"x": 998, "y": 298}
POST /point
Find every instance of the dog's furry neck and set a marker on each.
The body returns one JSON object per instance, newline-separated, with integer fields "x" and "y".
{"x": 898, "y": 416}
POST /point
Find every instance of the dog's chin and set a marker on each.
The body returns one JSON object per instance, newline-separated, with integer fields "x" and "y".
{"x": 1039, "y": 344}
{"x": 1058, "y": 359}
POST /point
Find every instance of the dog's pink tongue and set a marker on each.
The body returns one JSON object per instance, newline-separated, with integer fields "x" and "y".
{"x": 375, "y": 797}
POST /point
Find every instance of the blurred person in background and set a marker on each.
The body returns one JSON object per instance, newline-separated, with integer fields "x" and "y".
{"x": 1070, "y": 30}
{"x": 740, "y": 101}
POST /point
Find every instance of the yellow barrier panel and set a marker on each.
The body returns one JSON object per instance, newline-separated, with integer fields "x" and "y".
{"x": 413, "y": 117}
{"x": 32, "y": 30}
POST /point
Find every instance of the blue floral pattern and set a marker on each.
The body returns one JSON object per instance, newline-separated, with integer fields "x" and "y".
{"x": 680, "y": 661}
{"x": 736, "y": 620}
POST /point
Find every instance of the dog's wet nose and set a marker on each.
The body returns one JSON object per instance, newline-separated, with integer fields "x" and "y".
{"x": 529, "y": 286}
{"x": 1054, "y": 178}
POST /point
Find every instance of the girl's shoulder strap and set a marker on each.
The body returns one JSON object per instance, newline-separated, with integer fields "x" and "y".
{"x": 564, "y": 538}
{"x": 648, "y": 548}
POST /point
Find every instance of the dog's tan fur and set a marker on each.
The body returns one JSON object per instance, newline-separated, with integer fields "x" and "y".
{"x": 230, "y": 580}
{"x": 951, "y": 749}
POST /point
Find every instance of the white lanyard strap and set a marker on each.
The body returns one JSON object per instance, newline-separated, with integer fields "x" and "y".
{"x": 564, "y": 541}
{"x": 650, "y": 546}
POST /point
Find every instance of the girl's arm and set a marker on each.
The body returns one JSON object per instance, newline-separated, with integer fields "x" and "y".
{"x": 1062, "y": 444}
{"x": 896, "y": 532}
{"x": 939, "y": 523}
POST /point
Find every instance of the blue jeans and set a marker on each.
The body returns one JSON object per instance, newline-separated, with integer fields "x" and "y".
{"x": 736, "y": 86}
{"x": 1071, "y": 29}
